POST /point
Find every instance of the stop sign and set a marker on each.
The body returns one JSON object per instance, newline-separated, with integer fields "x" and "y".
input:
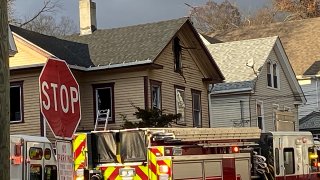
{"x": 59, "y": 98}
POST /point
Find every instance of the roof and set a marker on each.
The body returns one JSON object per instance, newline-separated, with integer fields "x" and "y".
{"x": 299, "y": 38}
{"x": 310, "y": 121}
{"x": 235, "y": 60}
{"x": 109, "y": 46}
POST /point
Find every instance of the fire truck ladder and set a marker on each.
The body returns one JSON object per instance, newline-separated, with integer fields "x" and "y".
{"x": 102, "y": 115}
{"x": 209, "y": 136}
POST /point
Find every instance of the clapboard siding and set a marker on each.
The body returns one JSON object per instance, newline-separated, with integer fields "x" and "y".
{"x": 128, "y": 89}
{"x": 26, "y": 55}
{"x": 226, "y": 110}
{"x": 193, "y": 80}
{"x": 310, "y": 87}
{"x": 282, "y": 96}
{"x": 31, "y": 124}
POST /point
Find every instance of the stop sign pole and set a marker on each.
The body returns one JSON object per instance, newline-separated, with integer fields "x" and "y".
{"x": 60, "y": 98}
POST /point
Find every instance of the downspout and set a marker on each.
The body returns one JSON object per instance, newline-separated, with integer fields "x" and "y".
{"x": 250, "y": 109}
{"x": 209, "y": 106}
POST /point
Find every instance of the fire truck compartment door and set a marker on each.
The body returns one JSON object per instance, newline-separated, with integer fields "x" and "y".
{"x": 35, "y": 160}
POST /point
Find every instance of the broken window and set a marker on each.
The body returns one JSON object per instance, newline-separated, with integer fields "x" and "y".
{"x": 180, "y": 104}
{"x": 155, "y": 94}
{"x": 260, "y": 120}
{"x": 177, "y": 54}
{"x": 104, "y": 100}
{"x": 16, "y": 102}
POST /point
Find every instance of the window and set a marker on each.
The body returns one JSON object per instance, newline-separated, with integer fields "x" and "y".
{"x": 260, "y": 120}
{"x": 16, "y": 102}
{"x": 180, "y": 104}
{"x": 176, "y": 47}
{"x": 155, "y": 94}
{"x": 35, "y": 172}
{"x": 276, "y": 152}
{"x": 196, "y": 108}
{"x": 104, "y": 100}
{"x": 272, "y": 75}
{"x": 50, "y": 172}
{"x": 35, "y": 153}
{"x": 288, "y": 160}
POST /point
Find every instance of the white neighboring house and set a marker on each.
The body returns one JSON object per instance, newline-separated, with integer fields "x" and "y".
{"x": 260, "y": 87}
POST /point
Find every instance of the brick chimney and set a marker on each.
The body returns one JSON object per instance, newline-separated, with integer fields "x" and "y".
{"x": 88, "y": 20}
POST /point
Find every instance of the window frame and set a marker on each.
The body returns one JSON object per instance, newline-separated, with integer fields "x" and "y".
{"x": 176, "y": 88}
{"x": 102, "y": 86}
{"x": 177, "y": 54}
{"x": 196, "y": 92}
{"x": 258, "y": 102}
{"x": 285, "y": 150}
{"x": 154, "y": 83}
{"x": 20, "y": 85}
{"x": 270, "y": 71}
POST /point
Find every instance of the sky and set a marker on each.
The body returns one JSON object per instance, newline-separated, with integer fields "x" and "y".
{"x": 120, "y": 13}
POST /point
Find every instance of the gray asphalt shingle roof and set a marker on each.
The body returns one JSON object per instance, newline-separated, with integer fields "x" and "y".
{"x": 109, "y": 46}
{"x": 236, "y": 58}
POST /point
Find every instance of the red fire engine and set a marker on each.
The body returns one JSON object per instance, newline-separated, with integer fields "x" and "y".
{"x": 194, "y": 153}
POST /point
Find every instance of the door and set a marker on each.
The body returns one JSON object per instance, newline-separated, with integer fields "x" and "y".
{"x": 289, "y": 162}
{"x": 34, "y": 156}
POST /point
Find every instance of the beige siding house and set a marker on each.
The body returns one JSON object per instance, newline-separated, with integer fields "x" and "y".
{"x": 260, "y": 87}
{"x": 157, "y": 65}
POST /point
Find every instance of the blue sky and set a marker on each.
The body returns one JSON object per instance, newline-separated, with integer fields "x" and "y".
{"x": 119, "y": 13}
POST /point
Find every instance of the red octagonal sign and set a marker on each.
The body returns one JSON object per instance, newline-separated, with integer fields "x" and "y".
{"x": 59, "y": 98}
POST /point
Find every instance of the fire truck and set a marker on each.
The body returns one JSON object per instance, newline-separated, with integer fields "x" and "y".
{"x": 194, "y": 154}
{"x": 32, "y": 158}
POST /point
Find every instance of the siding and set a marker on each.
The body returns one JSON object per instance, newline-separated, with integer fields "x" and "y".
{"x": 26, "y": 55}
{"x": 193, "y": 80}
{"x": 310, "y": 87}
{"x": 226, "y": 110}
{"x": 31, "y": 124}
{"x": 282, "y": 96}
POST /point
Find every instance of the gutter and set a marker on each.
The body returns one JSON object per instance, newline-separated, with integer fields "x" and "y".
{"x": 96, "y": 68}
{"x": 242, "y": 90}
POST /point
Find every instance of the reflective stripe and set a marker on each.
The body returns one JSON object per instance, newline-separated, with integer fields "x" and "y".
{"x": 157, "y": 158}
{"x": 112, "y": 172}
{"x": 79, "y": 146}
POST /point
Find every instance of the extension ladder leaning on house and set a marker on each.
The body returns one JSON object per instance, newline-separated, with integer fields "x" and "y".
{"x": 102, "y": 115}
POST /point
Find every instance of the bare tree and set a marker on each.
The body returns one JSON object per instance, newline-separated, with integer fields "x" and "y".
{"x": 43, "y": 21}
{"x": 4, "y": 93}
{"x": 298, "y": 9}
{"x": 47, "y": 24}
{"x": 265, "y": 15}
{"x": 213, "y": 17}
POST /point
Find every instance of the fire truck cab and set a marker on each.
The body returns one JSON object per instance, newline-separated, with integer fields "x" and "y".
{"x": 32, "y": 158}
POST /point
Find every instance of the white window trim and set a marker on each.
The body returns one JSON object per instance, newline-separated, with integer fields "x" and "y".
{"x": 277, "y": 73}
{"x": 97, "y": 105}
{"x": 20, "y": 104}
{"x": 262, "y": 114}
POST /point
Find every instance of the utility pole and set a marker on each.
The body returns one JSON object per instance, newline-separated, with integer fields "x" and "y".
{"x": 4, "y": 93}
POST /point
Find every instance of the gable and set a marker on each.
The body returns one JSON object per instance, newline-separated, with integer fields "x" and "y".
{"x": 27, "y": 54}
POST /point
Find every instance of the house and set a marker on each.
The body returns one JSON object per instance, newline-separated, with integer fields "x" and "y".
{"x": 260, "y": 87}
{"x": 301, "y": 41}
{"x": 161, "y": 65}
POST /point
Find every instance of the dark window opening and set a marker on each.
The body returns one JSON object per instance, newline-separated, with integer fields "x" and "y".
{"x": 196, "y": 106}
{"x": 103, "y": 101}
{"x": 50, "y": 172}
{"x": 269, "y": 77}
{"x": 16, "y": 103}
{"x": 275, "y": 77}
{"x": 35, "y": 172}
{"x": 260, "y": 117}
{"x": 177, "y": 54}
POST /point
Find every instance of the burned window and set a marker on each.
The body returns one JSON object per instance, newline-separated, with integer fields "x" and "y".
{"x": 155, "y": 94}
{"x": 16, "y": 102}
{"x": 103, "y": 101}
{"x": 177, "y": 54}
{"x": 180, "y": 104}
